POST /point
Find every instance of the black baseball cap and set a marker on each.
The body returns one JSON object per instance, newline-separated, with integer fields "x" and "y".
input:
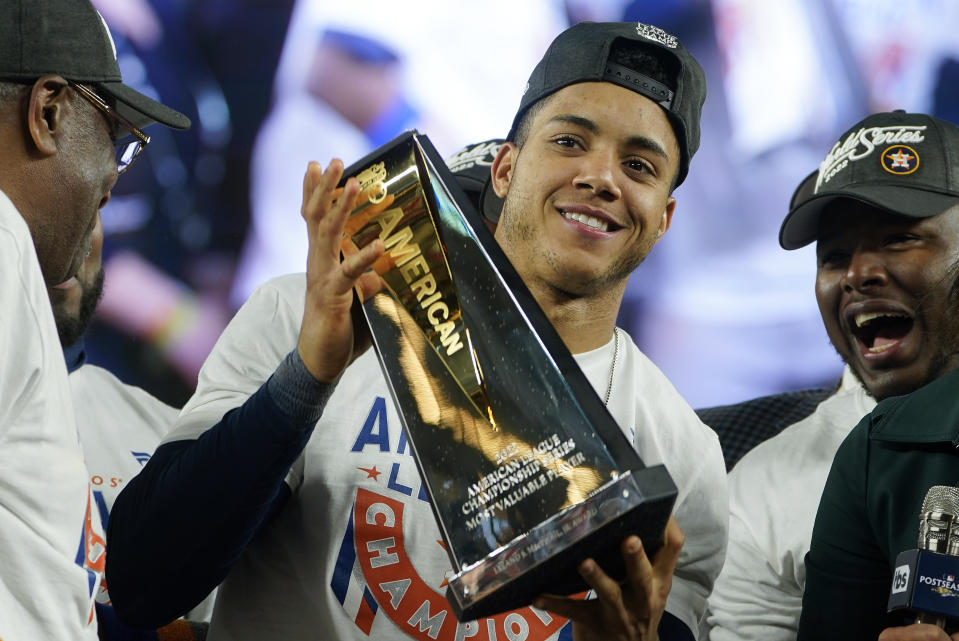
{"x": 581, "y": 54}
{"x": 471, "y": 167}
{"x": 901, "y": 163}
{"x": 805, "y": 190}
{"x": 71, "y": 39}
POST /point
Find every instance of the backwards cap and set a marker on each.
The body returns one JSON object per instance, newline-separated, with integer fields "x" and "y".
{"x": 69, "y": 38}
{"x": 901, "y": 163}
{"x": 581, "y": 54}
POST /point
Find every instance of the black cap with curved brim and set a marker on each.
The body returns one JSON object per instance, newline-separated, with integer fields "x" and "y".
{"x": 901, "y": 163}
{"x": 71, "y": 39}
{"x": 804, "y": 191}
{"x": 581, "y": 54}
{"x": 471, "y": 167}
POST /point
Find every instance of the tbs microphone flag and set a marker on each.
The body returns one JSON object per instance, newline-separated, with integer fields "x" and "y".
{"x": 926, "y": 582}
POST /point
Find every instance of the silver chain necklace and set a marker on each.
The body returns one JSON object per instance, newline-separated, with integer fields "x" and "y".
{"x": 612, "y": 368}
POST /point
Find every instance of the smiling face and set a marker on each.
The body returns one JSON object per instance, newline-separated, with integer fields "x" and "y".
{"x": 883, "y": 285}
{"x": 588, "y": 193}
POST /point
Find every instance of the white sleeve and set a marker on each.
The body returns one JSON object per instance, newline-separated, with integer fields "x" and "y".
{"x": 702, "y": 511}
{"x": 251, "y": 347}
{"x": 668, "y": 431}
{"x": 757, "y": 596}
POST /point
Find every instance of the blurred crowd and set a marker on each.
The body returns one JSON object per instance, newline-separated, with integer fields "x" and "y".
{"x": 272, "y": 84}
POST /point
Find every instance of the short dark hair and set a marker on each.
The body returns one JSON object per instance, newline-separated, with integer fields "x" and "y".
{"x": 522, "y": 129}
{"x": 10, "y": 92}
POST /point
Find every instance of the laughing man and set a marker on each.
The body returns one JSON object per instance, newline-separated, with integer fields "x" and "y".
{"x": 882, "y": 210}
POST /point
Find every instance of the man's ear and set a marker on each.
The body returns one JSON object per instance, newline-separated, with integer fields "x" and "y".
{"x": 667, "y": 218}
{"x": 502, "y": 169}
{"x": 47, "y": 110}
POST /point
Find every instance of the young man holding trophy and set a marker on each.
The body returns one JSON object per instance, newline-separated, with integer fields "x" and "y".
{"x": 290, "y": 463}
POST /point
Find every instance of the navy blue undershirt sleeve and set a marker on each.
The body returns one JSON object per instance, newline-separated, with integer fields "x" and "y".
{"x": 178, "y": 527}
{"x": 672, "y": 629}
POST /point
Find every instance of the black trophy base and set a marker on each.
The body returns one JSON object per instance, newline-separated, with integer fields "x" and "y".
{"x": 545, "y": 559}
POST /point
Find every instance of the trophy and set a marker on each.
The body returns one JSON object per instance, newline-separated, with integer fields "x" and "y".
{"x": 526, "y": 471}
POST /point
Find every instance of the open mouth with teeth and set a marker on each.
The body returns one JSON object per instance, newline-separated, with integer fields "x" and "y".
{"x": 880, "y": 331}
{"x": 590, "y": 221}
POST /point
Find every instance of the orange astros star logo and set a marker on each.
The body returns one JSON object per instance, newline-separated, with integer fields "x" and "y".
{"x": 371, "y": 473}
{"x": 900, "y": 160}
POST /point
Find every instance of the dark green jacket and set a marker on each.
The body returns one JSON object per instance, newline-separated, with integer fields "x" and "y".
{"x": 869, "y": 511}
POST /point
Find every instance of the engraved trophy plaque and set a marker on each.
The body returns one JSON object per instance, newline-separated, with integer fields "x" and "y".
{"x": 526, "y": 471}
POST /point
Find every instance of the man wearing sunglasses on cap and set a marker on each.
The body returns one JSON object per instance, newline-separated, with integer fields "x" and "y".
{"x": 68, "y": 128}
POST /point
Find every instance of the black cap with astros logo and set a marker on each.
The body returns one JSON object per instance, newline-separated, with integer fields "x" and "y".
{"x": 902, "y": 163}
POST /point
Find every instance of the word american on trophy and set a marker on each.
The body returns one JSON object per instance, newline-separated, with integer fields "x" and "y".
{"x": 526, "y": 471}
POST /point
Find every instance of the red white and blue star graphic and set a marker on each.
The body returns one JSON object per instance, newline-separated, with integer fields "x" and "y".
{"x": 900, "y": 160}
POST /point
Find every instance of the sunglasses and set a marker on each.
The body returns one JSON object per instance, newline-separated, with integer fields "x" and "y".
{"x": 126, "y": 149}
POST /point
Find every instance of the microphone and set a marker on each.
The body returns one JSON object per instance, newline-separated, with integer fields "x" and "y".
{"x": 938, "y": 518}
{"x": 926, "y": 580}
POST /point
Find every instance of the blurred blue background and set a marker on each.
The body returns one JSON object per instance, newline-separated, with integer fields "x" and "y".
{"x": 726, "y": 313}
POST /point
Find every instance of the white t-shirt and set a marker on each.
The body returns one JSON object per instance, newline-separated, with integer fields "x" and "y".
{"x": 310, "y": 570}
{"x": 51, "y": 543}
{"x": 120, "y": 426}
{"x": 774, "y": 494}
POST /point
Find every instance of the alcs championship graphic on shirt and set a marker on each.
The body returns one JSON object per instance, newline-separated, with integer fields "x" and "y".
{"x": 376, "y": 573}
